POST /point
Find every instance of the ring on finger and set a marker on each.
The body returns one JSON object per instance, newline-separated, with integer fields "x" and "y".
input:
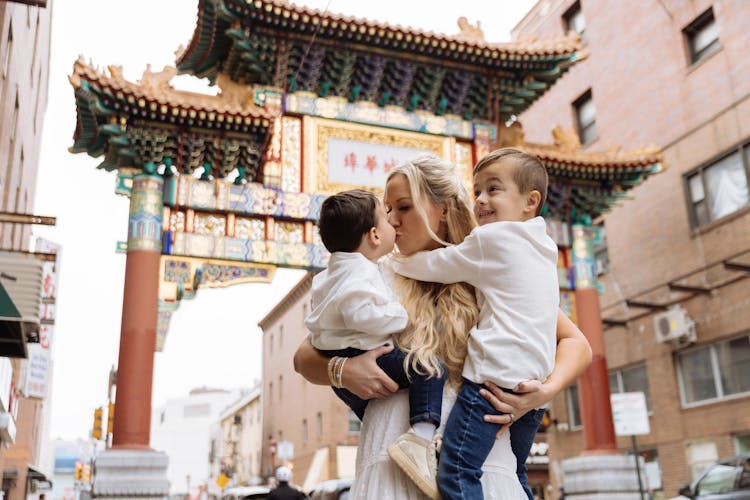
{"x": 512, "y": 417}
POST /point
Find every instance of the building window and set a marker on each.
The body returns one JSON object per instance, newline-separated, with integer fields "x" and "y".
{"x": 574, "y": 407}
{"x": 631, "y": 379}
{"x": 702, "y": 37}
{"x": 281, "y": 380}
{"x": 354, "y": 423}
{"x": 700, "y": 454}
{"x": 651, "y": 467}
{"x": 742, "y": 443}
{"x": 573, "y": 20}
{"x": 281, "y": 336}
{"x": 270, "y": 345}
{"x": 715, "y": 371}
{"x": 304, "y": 430}
{"x": 585, "y": 117}
{"x": 319, "y": 426}
{"x": 8, "y": 51}
{"x": 719, "y": 188}
{"x": 270, "y": 392}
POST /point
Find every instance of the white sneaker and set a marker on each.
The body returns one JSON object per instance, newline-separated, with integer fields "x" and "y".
{"x": 417, "y": 457}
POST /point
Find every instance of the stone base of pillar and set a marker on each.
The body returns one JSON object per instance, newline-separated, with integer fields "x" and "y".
{"x": 121, "y": 474}
{"x": 602, "y": 477}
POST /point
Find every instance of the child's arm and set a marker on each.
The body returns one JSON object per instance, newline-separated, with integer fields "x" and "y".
{"x": 444, "y": 265}
{"x": 370, "y": 311}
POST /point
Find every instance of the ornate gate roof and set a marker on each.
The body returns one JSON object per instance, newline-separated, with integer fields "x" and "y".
{"x": 297, "y": 48}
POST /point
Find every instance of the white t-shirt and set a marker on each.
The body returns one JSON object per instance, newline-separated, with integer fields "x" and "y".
{"x": 352, "y": 306}
{"x": 513, "y": 266}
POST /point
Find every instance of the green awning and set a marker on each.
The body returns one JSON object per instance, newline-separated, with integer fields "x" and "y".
{"x": 12, "y": 337}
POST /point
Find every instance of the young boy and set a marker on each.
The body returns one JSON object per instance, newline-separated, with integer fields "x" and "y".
{"x": 511, "y": 261}
{"x": 353, "y": 310}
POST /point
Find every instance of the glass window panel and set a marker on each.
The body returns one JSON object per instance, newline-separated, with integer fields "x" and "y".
{"x": 588, "y": 133}
{"x": 696, "y": 188}
{"x": 635, "y": 379}
{"x": 701, "y": 455}
{"x": 720, "y": 479}
{"x": 743, "y": 443}
{"x": 354, "y": 424}
{"x": 574, "y": 409}
{"x": 586, "y": 112}
{"x": 705, "y": 36}
{"x": 727, "y": 183}
{"x": 614, "y": 384}
{"x": 734, "y": 364}
{"x": 697, "y": 375}
{"x": 577, "y": 22}
{"x": 701, "y": 213}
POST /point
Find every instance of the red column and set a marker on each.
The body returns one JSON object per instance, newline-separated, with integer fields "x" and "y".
{"x": 593, "y": 392}
{"x": 132, "y": 425}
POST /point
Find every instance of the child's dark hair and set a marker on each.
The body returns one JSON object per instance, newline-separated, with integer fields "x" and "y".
{"x": 529, "y": 173}
{"x": 345, "y": 217}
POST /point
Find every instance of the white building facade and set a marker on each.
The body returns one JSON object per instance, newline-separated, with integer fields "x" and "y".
{"x": 182, "y": 429}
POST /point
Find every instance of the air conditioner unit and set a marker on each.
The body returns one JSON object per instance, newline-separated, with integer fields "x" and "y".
{"x": 675, "y": 326}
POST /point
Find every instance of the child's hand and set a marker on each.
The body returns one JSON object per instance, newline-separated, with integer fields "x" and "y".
{"x": 364, "y": 378}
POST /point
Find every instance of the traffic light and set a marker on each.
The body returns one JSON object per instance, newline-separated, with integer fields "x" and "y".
{"x": 96, "y": 433}
{"x": 79, "y": 471}
{"x": 110, "y": 418}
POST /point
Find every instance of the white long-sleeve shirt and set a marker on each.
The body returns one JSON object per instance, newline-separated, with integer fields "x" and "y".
{"x": 352, "y": 306}
{"x": 513, "y": 266}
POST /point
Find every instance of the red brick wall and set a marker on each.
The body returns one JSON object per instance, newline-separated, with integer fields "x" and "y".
{"x": 646, "y": 92}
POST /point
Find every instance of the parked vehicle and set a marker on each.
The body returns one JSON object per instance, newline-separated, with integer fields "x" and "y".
{"x": 727, "y": 479}
{"x": 333, "y": 489}
{"x": 246, "y": 493}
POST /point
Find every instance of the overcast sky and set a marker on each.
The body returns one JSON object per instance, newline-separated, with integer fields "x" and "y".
{"x": 213, "y": 340}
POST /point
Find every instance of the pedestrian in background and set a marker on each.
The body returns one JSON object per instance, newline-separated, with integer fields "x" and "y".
{"x": 284, "y": 491}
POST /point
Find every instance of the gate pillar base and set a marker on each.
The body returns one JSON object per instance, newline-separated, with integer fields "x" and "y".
{"x": 601, "y": 477}
{"x": 121, "y": 474}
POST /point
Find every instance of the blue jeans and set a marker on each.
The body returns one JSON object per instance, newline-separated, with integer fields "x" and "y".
{"x": 425, "y": 393}
{"x": 522, "y": 434}
{"x": 468, "y": 440}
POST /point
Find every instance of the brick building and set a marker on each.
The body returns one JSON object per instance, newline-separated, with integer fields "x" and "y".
{"x": 323, "y": 431}
{"x": 25, "y": 30}
{"x": 674, "y": 74}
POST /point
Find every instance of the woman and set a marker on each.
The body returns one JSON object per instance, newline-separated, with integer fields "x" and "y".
{"x": 428, "y": 206}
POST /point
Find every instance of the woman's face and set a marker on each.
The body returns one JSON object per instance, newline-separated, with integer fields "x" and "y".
{"x": 411, "y": 232}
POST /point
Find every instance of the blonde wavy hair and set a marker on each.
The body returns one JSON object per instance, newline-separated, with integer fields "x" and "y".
{"x": 440, "y": 316}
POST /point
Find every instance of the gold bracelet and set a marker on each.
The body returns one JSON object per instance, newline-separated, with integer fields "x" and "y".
{"x": 331, "y": 364}
{"x": 340, "y": 372}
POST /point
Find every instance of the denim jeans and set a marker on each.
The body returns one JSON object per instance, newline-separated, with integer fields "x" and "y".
{"x": 468, "y": 440}
{"x": 425, "y": 393}
{"x": 522, "y": 434}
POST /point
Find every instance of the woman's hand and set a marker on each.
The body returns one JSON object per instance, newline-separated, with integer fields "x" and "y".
{"x": 364, "y": 378}
{"x": 531, "y": 394}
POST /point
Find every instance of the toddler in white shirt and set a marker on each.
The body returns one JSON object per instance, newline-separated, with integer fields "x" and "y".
{"x": 353, "y": 310}
{"x": 512, "y": 263}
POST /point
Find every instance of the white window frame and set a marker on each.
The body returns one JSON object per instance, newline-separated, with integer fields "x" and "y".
{"x": 621, "y": 385}
{"x": 716, "y": 373}
{"x": 577, "y": 403}
{"x": 578, "y": 104}
{"x": 692, "y": 30}
{"x": 743, "y": 150}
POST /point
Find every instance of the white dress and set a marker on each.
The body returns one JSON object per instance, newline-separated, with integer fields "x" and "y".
{"x": 379, "y": 478}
